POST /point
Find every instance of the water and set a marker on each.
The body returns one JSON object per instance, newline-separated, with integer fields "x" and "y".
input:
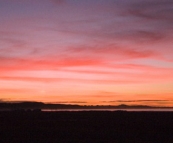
{"x": 128, "y": 110}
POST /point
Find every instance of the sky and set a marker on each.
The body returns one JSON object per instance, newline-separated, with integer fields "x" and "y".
{"x": 87, "y": 52}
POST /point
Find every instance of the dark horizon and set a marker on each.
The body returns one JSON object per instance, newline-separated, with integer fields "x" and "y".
{"x": 41, "y": 105}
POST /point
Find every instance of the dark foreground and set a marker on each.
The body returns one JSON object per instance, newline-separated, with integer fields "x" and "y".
{"x": 86, "y": 127}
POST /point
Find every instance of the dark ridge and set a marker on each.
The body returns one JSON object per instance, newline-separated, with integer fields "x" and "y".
{"x": 40, "y": 105}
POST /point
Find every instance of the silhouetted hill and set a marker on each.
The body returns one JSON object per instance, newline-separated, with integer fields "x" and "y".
{"x": 40, "y": 105}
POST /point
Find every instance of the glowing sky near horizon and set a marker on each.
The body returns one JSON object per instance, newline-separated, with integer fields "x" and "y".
{"x": 105, "y": 52}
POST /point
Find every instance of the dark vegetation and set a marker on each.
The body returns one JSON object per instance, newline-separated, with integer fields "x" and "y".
{"x": 86, "y": 127}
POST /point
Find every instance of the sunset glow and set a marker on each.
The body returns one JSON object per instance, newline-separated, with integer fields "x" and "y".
{"x": 87, "y": 52}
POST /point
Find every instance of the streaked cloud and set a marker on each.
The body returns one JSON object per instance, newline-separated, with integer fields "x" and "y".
{"x": 126, "y": 101}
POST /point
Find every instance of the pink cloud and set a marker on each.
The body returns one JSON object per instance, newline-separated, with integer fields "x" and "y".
{"x": 118, "y": 52}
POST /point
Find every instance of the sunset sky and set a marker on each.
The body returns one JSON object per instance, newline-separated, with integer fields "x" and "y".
{"x": 87, "y": 52}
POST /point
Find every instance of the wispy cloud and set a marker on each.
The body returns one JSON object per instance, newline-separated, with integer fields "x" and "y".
{"x": 128, "y": 101}
{"x": 58, "y": 1}
{"x": 114, "y": 51}
{"x": 153, "y": 10}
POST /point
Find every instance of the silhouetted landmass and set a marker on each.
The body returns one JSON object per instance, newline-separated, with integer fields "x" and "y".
{"x": 86, "y": 127}
{"x": 40, "y": 105}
